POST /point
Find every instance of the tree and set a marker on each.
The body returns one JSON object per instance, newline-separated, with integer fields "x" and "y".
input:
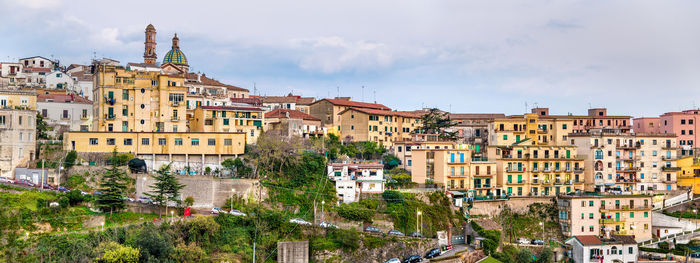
{"x": 229, "y": 165}
{"x": 545, "y": 256}
{"x": 71, "y": 157}
{"x": 112, "y": 252}
{"x": 113, "y": 187}
{"x": 166, "y": 188}
{"x": 189, "y": 201}
{"x": 41, "y": 127}
{"x": 523, "y": 256}
{"x": 391, "y": 161}
{"x": 437, "y": 122}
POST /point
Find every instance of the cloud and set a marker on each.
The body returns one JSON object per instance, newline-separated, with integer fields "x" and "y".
{"x": 334, "y": 54}
{"x": 39, "y": 4}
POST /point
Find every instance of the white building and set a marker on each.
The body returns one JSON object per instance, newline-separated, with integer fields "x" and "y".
{"x": 11, "y": 74}
{"x": 352, "y": 180}
{"x": 59, "y": 80}
{"x": 37, "y": 62}
{"x": 65, "y": 112}
{"x": 615, "y": 249}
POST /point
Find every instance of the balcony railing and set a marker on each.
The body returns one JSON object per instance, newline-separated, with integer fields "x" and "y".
{"x": 624, "y": 208}
{"x": 110, "y": 116}
{"x": 670, "y": 169}
{"x": 84, "y": 117}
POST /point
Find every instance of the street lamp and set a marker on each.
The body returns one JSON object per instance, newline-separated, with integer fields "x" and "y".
{"x": 232, "y": 191}
{"x": 103, "y": 225}
{"x": 696, "y": 218}
{"x": 542, "y": 224}
{"x": 172, "y": 217}
{"x": 323, "y": 203}
{"x": 418, "y": 215}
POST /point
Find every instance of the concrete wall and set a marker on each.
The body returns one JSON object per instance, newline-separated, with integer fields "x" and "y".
{"x": 293, "y": 252}
{"x": 207, "y": 192}
{"x": 519, "y": 205}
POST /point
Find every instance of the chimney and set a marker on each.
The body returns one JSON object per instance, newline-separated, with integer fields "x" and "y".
{"x": 199, "y": 77}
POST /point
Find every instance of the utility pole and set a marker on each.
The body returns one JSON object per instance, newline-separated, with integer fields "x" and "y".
{"x": 253, "y": 251}
{"x": 43, "y": 169}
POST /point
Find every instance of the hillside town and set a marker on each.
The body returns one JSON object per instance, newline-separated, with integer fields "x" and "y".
{"x": 151, "y": 154}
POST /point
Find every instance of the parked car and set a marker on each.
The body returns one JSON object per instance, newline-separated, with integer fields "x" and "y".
{"x": 96, "y": 193}
{"x": 695, "y": 255}
{"x": 25, "y": 183}
{"x": 415, "y": 234}
{"x": 432, "y": 253}
{"x": 144, "y": 200}
{"x": 216, "y": 211}
{"x": 523, "y": 241}
{"x": 50, "y": 187}
{"x": 393, "y": 260}
{"x": 62, "y": 189}
{"x": 300, "y": 221}
{"x": 395, "y": 233}
{"x": 237, "y": 213}
{"x": 538, "y": 242}
{"x": 6, "y": 180}
{"x": 371, "y": 229}
{"x": 413, "y": 259}
{"x": 325, "y": 224}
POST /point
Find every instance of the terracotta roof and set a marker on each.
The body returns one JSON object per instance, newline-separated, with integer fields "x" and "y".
{"x": 231, "y": 87}
{"x": 288, "y": 99}
{"x": 406, "y": 114}
{"x": 458, "y": 116}
{"x": 355, "y": 104}
{"x": 293, "y": 114}
{"x": 624, "y": 239}
{"x": 204, "y": 80}
{"x": 251, "y": 101}
{"x": 81, "y": 76}
{"x": 231, "y": 108}
{"x": 588, "y": 240}
{"x": 62, "y": 98}
{"x": 305, "y": 100}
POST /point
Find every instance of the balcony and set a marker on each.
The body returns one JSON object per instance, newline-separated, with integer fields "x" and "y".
{"x": 514, "y": 169}
{"x": 629, "y": 147}
{"x": 535, "y": 181}
{"x": 611, "y": 221}
{"x": 518, "y": 182}
{"x": 626, "y": 169}
{"x": 624, "y": 208}
{"x": 174, "y": 118}
{"x": 669, "y": 181}
{"x": 627, "y": 180}
{"x": 84, "y": 117}
{"x": 110, "y": 116}
{"x": 578, "y": 170}
{"x": 110, "y": 101}
{"x": 668, "y": 146}
{"x": 670, "y": 169}
{"x": 483, "y": 175}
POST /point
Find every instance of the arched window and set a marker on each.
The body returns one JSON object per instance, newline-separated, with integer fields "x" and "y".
{"x": 599, "y": 154}
{"x": 614, "y": 250}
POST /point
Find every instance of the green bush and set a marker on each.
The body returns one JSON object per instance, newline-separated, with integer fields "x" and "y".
{"x": 355, "y": 212}
{"x": 391, "y": 196}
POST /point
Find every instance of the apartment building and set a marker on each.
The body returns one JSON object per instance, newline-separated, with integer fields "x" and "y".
{"x": 689, "y": 175}
{"x": 455, "y": 170}
{"x": 354, "y": 179}
{"x": 138, "y": 101}
{"x": 597, "y": 118}
{"x": 598, "y": 215}
{"x": 65, "y": 112}
{"x": 404, "y": 150}
{"x": 628, "y": 162}
{"x": 293, "y": 123}
{"x": 473, "y": 129}
{"x": 684, "y": 125}
{"x": 614, "y": 248}
{"x": 381, "y": 126}
{"x": 196, "y": 150}
{"x": 328, "y": 110}
{"x": 17, "y": 130}
{"x": 533, "y": 156}
{"x": 248, "y": 120}
{"x": 289, "y": 102}
{"x": 12, "y": 75}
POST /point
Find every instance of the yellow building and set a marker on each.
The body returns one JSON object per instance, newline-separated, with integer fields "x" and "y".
{"x": 381, "y": 126}
{"x": 598, "y": 214}
{"x": 328, "y": 110}
{"x": 248, "y": 120}
{"x": 689, "y": 175}
{"x": 138, "y": 101}
{"x": 534, "y": 157}
{"x": 454, "y": 170}
{"x": 17, "y": 130}
{"x": 193, "y": 149}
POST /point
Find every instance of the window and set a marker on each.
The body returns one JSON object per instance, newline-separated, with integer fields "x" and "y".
{"x": 93, "y": 141}
{"x": 195, "y": 141}
{"x": 646, "y": 214}
{"x": 127, "y": 142}
{"x": 590, "y": 216}
{"x": 178, "y": 141}
{"x": 161, "y": 141}
{"x": 125, "y": 94}
{"x": 110, "y": 141}
{"x": 211, "y": 142}
{"x": 176, "y": 97}
{"x": 631, "y": 214}
{"x": 225, "y": 121}
{"x": 505, "y": 137}
{"x": 145, "y": 141}
{"x": 631, "y": 250}
{"x": 590, "y": 229}
{"x": 563, "y": 126}
{"x": 590, "y": 203}
{"x": 228, "y": 142}
{"x": 409, "y": 162}
{"x": 252, "y": 133}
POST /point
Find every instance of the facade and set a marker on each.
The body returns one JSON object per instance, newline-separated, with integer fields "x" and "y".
{"x": 598, "y": 214}
{"x": 352, "y": 180}
{"x": 404, "y": 150}
{"x": 293, "y": 123}
{"x": 381, "y": 126}
{"x": 473, "y": 129}
{"x": 38, "y": 62}
{"x": 689, "y": 175}
{"x": 248, "y": 120}
{"x": 196, "y": 150}
{"x": 289, "y": 102}
{"x": 597, "y": 118}
{"x": 613, "y": 249}
{"x": 684, "y": 125}
{"x": 12, "y": 75}
{"x": 534, "y": 157}
{"x": 328, "y": 110}
{"x": 59, "y": 80}
{"x": 455, "y": 170}
{"x": 138, "y": 101}
{"x": 17, "y": 130}
{"x": 65, "y": 112}
{"x": 628, "y": 162}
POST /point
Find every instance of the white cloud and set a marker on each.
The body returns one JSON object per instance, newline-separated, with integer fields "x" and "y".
{"x": 335, "y": 54}
{"x": 39, "y": 4}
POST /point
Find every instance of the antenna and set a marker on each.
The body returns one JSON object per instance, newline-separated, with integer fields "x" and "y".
{"x": 363, "y": 94}
{"x": 589, "y": 106}
{"x": 375, "y": 96}
{"x": 338, "y": 90}
{"x": 526, "y": 106}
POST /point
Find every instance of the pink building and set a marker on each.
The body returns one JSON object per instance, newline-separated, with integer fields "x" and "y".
{"x": 683, "y": 124}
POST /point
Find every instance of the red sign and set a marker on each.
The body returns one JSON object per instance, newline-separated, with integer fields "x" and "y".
{"x": 187, "y": 211}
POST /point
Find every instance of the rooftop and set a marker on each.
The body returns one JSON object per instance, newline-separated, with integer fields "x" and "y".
{"x": 356, "y": 104}
{"x": 62, "y": 98}
{"x": 291, "y": 114}
{"x": 231, "y": 108}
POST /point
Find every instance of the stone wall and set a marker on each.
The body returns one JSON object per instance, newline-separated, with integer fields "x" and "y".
{"x": 395, "y": 247}
{"x": 293, "y": 252}
{"x": 208, "y": 192}
{"x": 517, "y": 204}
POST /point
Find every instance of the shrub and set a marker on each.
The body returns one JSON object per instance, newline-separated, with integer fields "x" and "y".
{"x": 355, "y": 212}
{"x": 391, "y": 196}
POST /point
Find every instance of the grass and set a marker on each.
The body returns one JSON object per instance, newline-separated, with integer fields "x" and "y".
{"x": 25, "y": 199}
{"x": 12, "y": 187}
{"x": 490, "y": 260}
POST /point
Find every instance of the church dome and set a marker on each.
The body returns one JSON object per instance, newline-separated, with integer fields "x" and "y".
{"x": 175, "y": 56}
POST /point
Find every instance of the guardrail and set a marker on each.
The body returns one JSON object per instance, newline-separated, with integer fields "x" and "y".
{"x": 653, "y": 241}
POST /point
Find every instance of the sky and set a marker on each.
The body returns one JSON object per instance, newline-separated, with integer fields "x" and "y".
{"x": 639, "y": 58}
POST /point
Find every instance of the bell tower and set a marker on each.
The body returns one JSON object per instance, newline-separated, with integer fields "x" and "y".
{"x": 149, "y": 54}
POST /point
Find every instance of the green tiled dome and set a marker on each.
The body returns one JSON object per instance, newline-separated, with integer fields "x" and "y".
{"x": 176, "y": 57}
